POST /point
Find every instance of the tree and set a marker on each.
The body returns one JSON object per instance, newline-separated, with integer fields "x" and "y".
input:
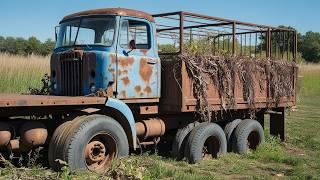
{"x": 47, "y": 47}
{"x": 310, "y": 47}
{"x": 33, "y": 46}
{"x": 2, "y": 44}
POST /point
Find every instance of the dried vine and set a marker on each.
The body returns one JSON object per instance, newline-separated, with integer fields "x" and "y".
{"x": 223, "y": 70}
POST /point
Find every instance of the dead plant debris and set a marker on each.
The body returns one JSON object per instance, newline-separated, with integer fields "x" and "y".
{"x": 223, "y": 70}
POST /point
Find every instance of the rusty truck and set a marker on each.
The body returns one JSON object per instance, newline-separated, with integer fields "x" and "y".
{"x": 113, "y": 90}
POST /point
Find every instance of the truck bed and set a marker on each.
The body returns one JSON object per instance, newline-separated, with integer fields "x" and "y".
{"x": 178, "y": 96}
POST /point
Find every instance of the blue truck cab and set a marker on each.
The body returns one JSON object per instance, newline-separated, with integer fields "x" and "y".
{"x": 107, "y": 52}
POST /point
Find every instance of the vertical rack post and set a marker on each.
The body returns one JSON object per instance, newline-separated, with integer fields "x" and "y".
{"x": 234, "y": 38}
{"x": 268, "y": 44}
{"x": 181, "y": 32}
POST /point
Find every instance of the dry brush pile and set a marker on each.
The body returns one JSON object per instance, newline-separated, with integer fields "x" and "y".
{"x": 222, "y": 71}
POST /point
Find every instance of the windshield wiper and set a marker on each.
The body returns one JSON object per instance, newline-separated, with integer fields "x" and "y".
{"x": 75, "y": 40}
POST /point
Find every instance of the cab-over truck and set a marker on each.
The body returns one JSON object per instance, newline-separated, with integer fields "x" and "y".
{"x": 113, "y": 91}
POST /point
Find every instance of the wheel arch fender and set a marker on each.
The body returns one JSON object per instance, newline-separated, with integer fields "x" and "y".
{"x": 123, "y": 114}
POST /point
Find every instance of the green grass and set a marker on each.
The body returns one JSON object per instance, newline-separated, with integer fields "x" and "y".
{"x": 297, "y": 158}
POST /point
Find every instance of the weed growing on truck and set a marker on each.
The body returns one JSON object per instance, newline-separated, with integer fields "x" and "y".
{"x": 223, "y": 70}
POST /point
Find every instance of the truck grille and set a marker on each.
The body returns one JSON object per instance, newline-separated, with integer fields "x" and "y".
{"x": 71, "y": 77}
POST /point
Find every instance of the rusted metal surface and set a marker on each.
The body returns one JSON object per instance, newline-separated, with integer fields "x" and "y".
{"x": 113, "y": 11}
{"x": 148, "y": 109}
{"x": 138, "y": 73}
{"x": 17, "y": 100}
{"x": 100, "y": 152}
{"x": 150, "y": 128}
{"x": 33, "y": 133}
{"x": 16, "y": 146}
{"x": 178, "y": 95}
{"x": 5, "y": 134}
{"x": 226, "y": 35}
{"x": 234, "y": 37}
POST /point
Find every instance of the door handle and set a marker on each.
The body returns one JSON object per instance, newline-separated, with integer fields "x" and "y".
{"x": 152, "y": 62}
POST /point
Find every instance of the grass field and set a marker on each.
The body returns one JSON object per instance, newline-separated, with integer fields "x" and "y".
{"x": 18, "y": 73}
{"x": 297, "y": 158}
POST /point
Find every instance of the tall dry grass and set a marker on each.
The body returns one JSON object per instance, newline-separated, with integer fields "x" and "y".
{"x": 19, "y": 73}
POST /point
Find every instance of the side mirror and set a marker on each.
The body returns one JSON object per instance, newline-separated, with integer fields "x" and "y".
{"x": 132, "y": 46}
{"x": 56, "y": 29}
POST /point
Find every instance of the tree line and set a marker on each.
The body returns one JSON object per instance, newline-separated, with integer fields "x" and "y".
{"x": 21, "y": 46}
{"x": 308, "y": 46}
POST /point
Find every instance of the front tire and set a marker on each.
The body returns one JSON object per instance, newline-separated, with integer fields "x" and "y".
{"x": 94, "y": 143}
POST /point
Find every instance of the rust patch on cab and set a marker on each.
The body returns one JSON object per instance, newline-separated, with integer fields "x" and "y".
{"x": 113, "y": 58}
{"x": 123, "y": 94}
{"x": 144, "y": 51}
{"x": 126, "y": 61}
{"x": 147, "y": 90}
{"x": 137, "y": 89}
{"x": 145, "y": 70}
{"x": 125, "y": 81}
{"x": 124, "y": 72}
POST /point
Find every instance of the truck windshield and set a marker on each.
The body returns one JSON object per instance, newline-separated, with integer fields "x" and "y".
{"x": 87, "y": 32}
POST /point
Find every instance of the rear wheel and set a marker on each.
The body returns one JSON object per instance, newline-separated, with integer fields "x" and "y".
{"x": 180, "y": 140}
{"x": 206, "y": 141}
{"x": 229, "y": 131}
{"x": 248, "y": 135}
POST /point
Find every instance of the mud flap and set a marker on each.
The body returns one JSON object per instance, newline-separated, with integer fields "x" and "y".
{"x": 277, "y": 123}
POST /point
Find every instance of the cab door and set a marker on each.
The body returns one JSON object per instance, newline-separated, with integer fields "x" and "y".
{"x": 138, "y": 70}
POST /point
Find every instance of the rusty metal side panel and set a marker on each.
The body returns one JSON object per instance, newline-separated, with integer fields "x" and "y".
{"x": 261, "y": 97}
{"x": 171, "y": 92}
{"x": 176, "y": 99}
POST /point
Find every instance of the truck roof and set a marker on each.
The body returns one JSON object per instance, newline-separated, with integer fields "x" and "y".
{"x": 112, "y": 11}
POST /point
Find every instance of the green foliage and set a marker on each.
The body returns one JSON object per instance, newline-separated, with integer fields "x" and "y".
{"x": 20, "y": 46}
{"x": 167, "y": 48}
{"x": 310, "y": 46}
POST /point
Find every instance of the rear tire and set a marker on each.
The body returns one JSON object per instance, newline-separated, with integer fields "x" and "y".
{"x": 180, "y": 140}
{"x": 248, "y": 135}
{"x": 94, "y": 143}
{"x": 205, "y": 139}
{"x": 229, "y": 131}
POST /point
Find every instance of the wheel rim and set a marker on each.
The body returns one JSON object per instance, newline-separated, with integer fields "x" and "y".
{"x": 100, "y": 151}
{"x": 211, "y": 148}
{"x": 253, "y": 140}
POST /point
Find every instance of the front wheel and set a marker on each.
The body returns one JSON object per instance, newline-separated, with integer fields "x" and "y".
{"x": 94, "y": 143}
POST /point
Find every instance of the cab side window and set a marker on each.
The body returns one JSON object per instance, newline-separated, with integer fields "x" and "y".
{"x": 134, "y": 30}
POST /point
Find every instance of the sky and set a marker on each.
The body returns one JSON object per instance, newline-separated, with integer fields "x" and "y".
{"x": 26, "y": 18}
